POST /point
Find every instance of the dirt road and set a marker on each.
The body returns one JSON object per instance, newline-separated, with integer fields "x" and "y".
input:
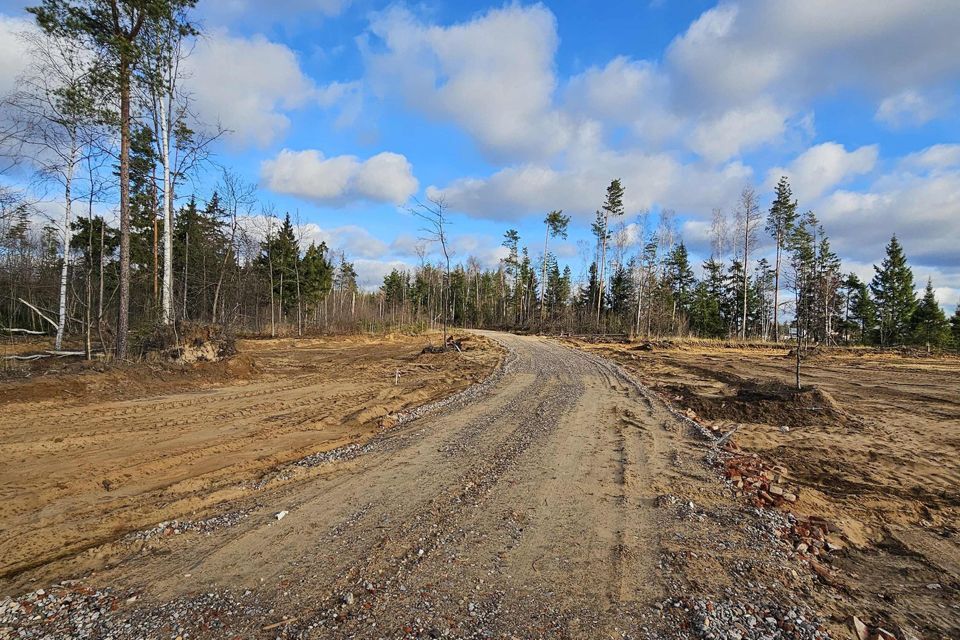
{"x": 558, "y": 501}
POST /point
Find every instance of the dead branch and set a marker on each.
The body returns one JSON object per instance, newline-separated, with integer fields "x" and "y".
{"x": 49, "y": 354}
{"x": 26, "y": 331}
{"x": 40, "y": 313}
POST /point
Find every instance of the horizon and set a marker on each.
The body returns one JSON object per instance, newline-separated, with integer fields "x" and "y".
{"x": 342, "y": 112}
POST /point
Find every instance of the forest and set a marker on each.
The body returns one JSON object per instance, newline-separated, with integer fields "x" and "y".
{"x": 123, "y": 243}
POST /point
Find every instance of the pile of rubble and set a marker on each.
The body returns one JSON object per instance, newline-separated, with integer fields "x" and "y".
{"x": 749, "y": 474}
{"x": 813, "y": 536}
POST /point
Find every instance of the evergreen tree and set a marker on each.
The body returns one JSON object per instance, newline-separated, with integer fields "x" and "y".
{"x": 279, "y": 260}
{"x": 780, "y": 221}
{"x": 705, "y": 317}
{"x": 590, "y": 291}
{"x": 621, "y": 292}
{"x": 679, "y": 279}
{"x": 893, "y": 293}
{"x": 316, "y": 275}
{"x": 929, "y": 323}
{"x": 863, "y": 312}
{"x": 955, "y": 327}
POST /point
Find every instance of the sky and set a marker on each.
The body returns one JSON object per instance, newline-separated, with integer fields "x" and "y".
{"x": 344, "y": 111}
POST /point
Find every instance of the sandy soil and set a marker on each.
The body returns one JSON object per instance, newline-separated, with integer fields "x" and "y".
{"x": 90, "y": 454}
{"x": 559, "y": 499}
{"x": 874, "y": 446}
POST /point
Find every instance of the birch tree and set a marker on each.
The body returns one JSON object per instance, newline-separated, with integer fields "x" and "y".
{"x": 54, "y": 118}
{"x": 748, "y": 217}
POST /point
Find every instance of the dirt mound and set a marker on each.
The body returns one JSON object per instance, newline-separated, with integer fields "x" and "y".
{"x": 189, "y": 343}
{"x": 768, "y": 403}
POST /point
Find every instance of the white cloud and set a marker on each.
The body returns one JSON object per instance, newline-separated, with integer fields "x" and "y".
{"x": 385, "y": 177}
{"x": 649, "y": 180}
{"x": 249, "y": 85}
{"x": 922, "y": 209}
{"x": 492, "y": 75}
{"x": 737, "y": 130}
{"x": 907, "y": 108}
{"x": 627, "y": 92}
{"x": 13, "y": 54}
{"x": 822, "y": 167}
{"x": 937, "y": 157}
{"x": 739, "y": 51}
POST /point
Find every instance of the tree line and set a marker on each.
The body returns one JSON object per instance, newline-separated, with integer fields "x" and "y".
{"x": 640, "y": 281}
{"x": 101, "y": 120}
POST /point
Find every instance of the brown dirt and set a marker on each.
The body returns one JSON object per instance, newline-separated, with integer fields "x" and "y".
{"x": 89, "y": 453}
{"x": 562, "y": 500}
{"x": 874, "y": 444}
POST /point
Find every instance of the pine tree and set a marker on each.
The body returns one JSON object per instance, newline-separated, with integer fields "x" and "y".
{"x": 115, "y": 36}
{"x": 929, "y": 324}
{"x": 621, "y": 292}
{"x": 893, "y": 293}
{"x": 863, "y": 312}
{"x": 680, "y": 280}
{"x": 955, "y": 327}
{"x": 316, "y": 274}
{"x": 780, "y": 221}
{"x": 612, "y": 208}
{"x": 705, "y": 317}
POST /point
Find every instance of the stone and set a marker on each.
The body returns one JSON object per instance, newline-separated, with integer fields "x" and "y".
{"x": 860, "y": 630}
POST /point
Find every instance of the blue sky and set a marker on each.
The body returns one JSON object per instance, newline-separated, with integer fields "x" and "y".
{"x": 342, "y": 111}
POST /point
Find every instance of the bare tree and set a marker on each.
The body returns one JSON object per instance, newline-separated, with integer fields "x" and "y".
{"x": 434, "y": 213}
{"x": 53, "y": 115}
{"x": 719, "y": 235}
{"x": 748, "y": 217}
{"x": 235, "y": 195}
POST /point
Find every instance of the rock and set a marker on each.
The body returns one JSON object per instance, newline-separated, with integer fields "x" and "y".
{"x": 933, "y": 586}
{"x": 860, "y": 630}
{"x": 883, "y": 634}
{"x": 776, "y": 490}
{"x": 281, "y": 515}
{"x": 348, "y": 599}
{"x": 789, "y": 497}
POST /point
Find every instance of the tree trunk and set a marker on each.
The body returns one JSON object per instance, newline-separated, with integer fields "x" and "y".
{"x": 65, "y": 268}
{"x": 776, "y": 292}
{"x": 123, "y": 311}
{"x": 746, "y": 260}
{"x": 167, "y": 286}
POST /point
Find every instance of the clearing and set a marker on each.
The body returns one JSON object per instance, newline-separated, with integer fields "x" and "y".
{"x": 873, "y": 445}
{"x": 556, "y": 498}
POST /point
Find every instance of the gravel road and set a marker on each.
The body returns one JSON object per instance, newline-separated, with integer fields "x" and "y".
{"x": 543, "y": 504}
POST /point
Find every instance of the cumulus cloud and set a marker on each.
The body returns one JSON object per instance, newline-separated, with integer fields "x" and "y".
{"x": 651, "y": 180}
{"x": 739, "y": 129}
{"x": 907, "y": 108}
{"x": 13, "y": 55}
{"x": 633, "y": 93}
{"x": 922, "y": 208}
{"x": 739, "y": 51}
{"x": 249, "y": 85}
{"x": 385, "y": 177}
{"x": 939, "y": 156}
{"x": 822, "y": 167}
{"x": 492, "y": 75}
